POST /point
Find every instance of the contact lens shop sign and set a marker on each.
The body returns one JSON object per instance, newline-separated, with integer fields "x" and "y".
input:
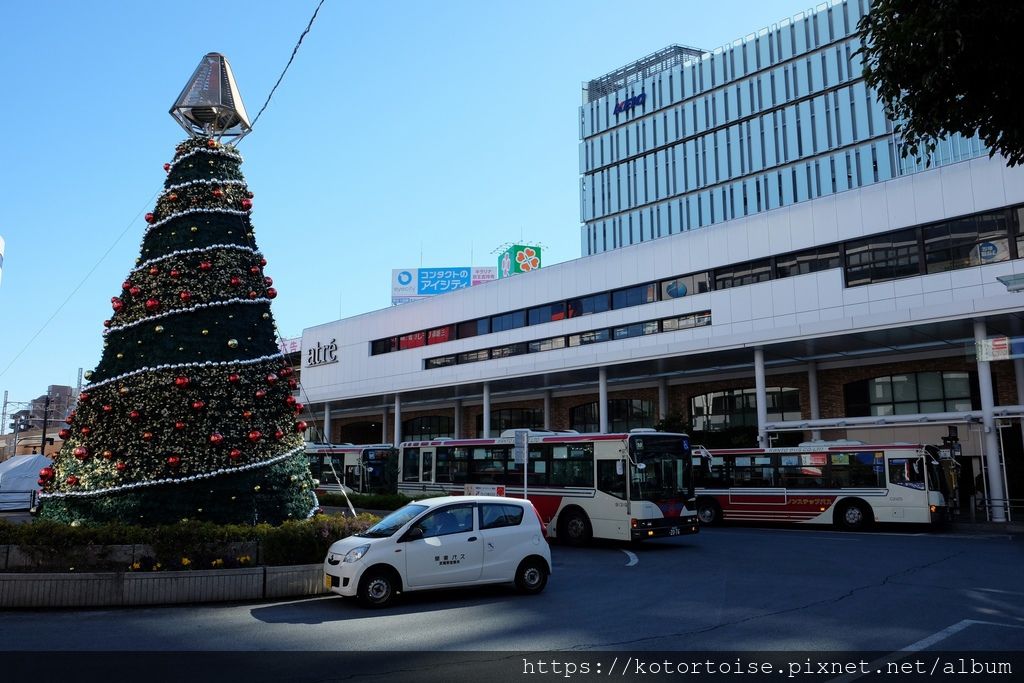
{"x": 411, "y": 284}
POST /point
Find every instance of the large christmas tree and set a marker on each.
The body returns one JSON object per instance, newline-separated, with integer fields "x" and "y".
{"x": 190, "y": 412}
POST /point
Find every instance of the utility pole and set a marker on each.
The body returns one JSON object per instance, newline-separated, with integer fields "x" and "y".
{"x": 3, "y": 416}
{"x": 46, "y": 420}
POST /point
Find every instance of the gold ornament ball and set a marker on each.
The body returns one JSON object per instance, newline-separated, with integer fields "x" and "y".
{"x": 120, "y": 356}
{"x": 232, "y": 343}
{"x": 256, "y": 488}
{"x": 266, "y": 316}
{"x": 87, "y": 374}
{"x": 194, "y": 229}
{"x": 159, "y": 329}
{"x": 123, "y": 391}
{"x": 206, "y": 332}
{"x": 181, "y": 348}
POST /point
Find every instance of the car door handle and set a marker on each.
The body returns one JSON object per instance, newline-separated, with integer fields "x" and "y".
{"x": 471, "y": 538}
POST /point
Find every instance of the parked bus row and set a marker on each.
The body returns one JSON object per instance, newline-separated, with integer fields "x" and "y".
{"x": 645, "y": 484}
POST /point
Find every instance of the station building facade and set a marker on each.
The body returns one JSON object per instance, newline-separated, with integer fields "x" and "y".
{"x": 853, "y": 313}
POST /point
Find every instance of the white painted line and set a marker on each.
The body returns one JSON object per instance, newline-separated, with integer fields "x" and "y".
{"x": 633, "y": 559}
{"x": 947, "y": 632}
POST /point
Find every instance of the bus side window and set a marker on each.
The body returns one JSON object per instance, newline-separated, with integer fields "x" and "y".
{"x": 411, "y": 464}
{"x": 609, "y": 480}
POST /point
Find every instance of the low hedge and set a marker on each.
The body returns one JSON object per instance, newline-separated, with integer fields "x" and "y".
{"x": 185, "y": 545}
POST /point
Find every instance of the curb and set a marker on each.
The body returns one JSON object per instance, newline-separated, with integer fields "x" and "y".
{"x": 131, "y": 589}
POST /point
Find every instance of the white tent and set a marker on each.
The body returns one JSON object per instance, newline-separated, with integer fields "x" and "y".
{"x": 19, "y": 481}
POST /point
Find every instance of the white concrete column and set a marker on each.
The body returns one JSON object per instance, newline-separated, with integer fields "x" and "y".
{"x": 602, "y": 399}
{"x": 327, "y": 422}
{"x": 663, "y": 398}
{"x": 762, "y": 398}
{"x": 812, "y": 396}
{"x": 994, "y": 485}
{"x": 1018, "y": 376}
{"x": 547, "y": 409}
{"x": 398, "y": 419}
{"x": 384, "y": 426}
{"x": 457, "y": 422}
{"x": 487, "y": 411}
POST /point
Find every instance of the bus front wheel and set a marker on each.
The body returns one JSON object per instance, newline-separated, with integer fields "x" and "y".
{"x": 575, "y": 527}
{"x": 708, "y": 512}
{"x": 853, "y": 516}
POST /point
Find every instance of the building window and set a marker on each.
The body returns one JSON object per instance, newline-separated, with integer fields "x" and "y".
{"x": 623, "y": 414}
{"x": 965, "y": 242}
{"x": 510, "y": 418}
{"x": 678, "y": 287}
{"x": 439, "y": 335}
{"x": 592, "y": 337}
{"x": 441, "y": 362}
{"x": 587, "y": 305}
{"x": 808, "y": 261}
{"x": 383, "y": 346}
{"x": 473, "y": 328}
{"x": 684, "y": 322}
{"x": 427, "y": 427}
{"x": 635, "y": 330}
{"x": 547, "y": 344}
{"x": 509, "y": 350}
{"x": 738, "y": 408}
{"x": 546, "y": 313}
{"x": 412, "y": 340}
{"x": 743, "y": 274}
{"x": 882, "y": 257}
{"x": 473, "y": 356}
{"x": 508, "y": 321}
{"x": 912, "y": 393}
{"x": 634, "y": 296}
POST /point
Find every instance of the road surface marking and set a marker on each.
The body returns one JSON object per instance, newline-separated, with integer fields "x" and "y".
{"x": 633, "y": 559}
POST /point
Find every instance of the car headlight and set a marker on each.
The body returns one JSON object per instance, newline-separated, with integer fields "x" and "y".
{"x": 356, "y": 554}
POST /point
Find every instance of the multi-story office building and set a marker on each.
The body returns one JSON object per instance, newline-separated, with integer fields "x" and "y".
{"x": 683, "y": 139}
{"x": 785, "y": 270}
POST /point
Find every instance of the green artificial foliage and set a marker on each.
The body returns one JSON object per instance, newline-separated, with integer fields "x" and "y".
{"x": 948, "y": 66}
{"x": 189, "y": 413}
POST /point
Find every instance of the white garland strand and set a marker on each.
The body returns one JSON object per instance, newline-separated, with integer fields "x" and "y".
{"x": 187, "y": 212}
{"x": 158, "y": 482}
{"x": 316, "y": 505}
{"x": 201, "y": 181}
{"x": 206, "y": 150}
{"x": 182, "y": 366}
{"x": 194, "y": 250}
{"x": 178, "y": 311}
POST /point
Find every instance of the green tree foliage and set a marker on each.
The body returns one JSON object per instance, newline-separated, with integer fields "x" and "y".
{"x": 948, "y": 66}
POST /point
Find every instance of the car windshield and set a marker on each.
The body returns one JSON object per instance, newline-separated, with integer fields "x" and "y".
{"x": 393, "y": 522}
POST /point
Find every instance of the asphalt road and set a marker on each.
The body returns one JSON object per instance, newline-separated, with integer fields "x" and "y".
{"x": 733, "y": 588}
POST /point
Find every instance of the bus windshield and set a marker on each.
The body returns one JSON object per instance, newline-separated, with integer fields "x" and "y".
{"x": 393, "y": 522}
{"x": 662, "y": 469}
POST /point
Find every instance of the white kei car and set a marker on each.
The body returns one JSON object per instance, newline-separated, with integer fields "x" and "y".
{"x": 442, "y": 543}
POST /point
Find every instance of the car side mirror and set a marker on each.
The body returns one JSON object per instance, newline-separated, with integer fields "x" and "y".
{"x": 413, "y": 534}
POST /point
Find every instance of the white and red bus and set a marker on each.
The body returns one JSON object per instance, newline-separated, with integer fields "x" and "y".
{"x": 850, "y": 485}
{"x": 627, "y": 486}
{"x": 369, "y": 468}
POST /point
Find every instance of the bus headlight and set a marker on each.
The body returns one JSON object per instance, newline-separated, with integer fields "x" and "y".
{"x": 356, "y": 554}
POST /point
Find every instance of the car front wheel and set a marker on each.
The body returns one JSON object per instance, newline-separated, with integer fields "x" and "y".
{"x": 376, "y": 589}
{"x": 531, "y": 577}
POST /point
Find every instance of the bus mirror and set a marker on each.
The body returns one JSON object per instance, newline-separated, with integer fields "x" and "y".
{"x": 413, "y": 534}
{"x": 641, "y": 466}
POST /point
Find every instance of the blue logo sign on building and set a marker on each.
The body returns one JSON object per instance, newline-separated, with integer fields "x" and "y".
{"x": 630, "y": 102}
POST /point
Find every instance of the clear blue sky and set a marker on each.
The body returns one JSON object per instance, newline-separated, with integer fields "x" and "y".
{"x": 405, "y": 133}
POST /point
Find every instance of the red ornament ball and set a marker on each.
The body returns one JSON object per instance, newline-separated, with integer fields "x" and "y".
{"x": 268, "y": 281}
{"x": 150, "y": 218}
{"x": 85, "y": 431}
{"x": 147, "y": 436}
{"x": 271, "y": 293}
{"x": 134, "y": 291}
{"x": 255, "y": 270}
{"x": 179, "y": 425}
{"x": 81, "y": 452}
{"x": 116, "y": 304}
{"x": 286, "y": 371}
{"x": 255, "y": 435}
{"x": 260, "y": 393}
{"x": 289, "y": 401}
{"x": 299, "y": 407}
{"x": 64, "y": 434}
{"x": 174, "y": 272}
{"x": 263, "y": 261}
{"x": 292, "y": 384}
{"x": 216, "y": 439}
{"x": 107, "y": 455}
{"x": 172, "y": 197}
{"x": 235, "y": 454}
{"x": 47, "y": 473}
{"x": 107, "y": 408}
{"x": 120, "y": 466}
{"x": 173, "y": 461}
{"x": 134, "y": 416}
{"x": 152, "y": 305}
{"x": 198, "y": 405}
{"x": 253, "y": 294}
{"x": 300, "y": 426}
{"x": 246, "y": 203}
{"x": 278, "y": 435}
{"x": 182, "y": 382}
{"x": 83, "y": 397}
{"x": 247, "y": 414}
{"x": 218, "y": 193}
{"x": 235, "y": 281}
{"x": 205, "y": 266}
{"x": 126, "y": 285}
{"x": 185, "y": 296}
{"x": 107, "y": 323}
{"x": 167, "y": 168}
{"x": 70, "y": 418}
{"x": 72, "y": 480}
{"x": 211, "y": 143}
{"x": 234, "y": 378}
{"x": 153, "y": 270}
